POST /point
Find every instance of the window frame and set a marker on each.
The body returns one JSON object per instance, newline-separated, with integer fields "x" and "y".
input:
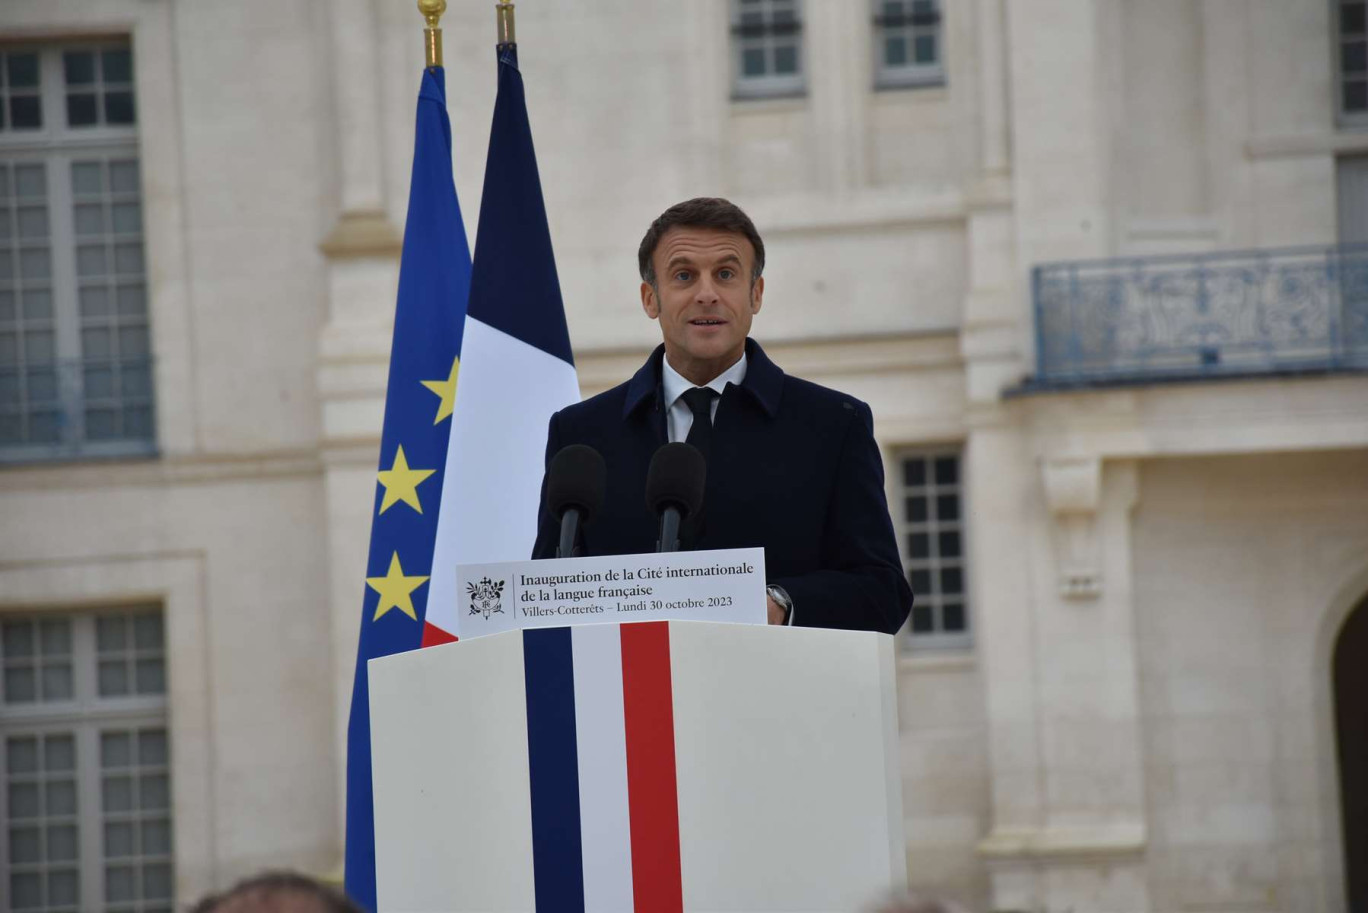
{"x": 86, "y": 716}
{"x": 770, "y": 85}
{"x": 938, "y": 639}
{"x": 57, "y": 146}
{"x": 1353, "y": 119}
{"x": 910, "y": 75}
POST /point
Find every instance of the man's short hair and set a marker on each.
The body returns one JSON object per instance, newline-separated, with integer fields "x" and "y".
{"x": 700, "y": 212}
{"x": 277, "y": 892}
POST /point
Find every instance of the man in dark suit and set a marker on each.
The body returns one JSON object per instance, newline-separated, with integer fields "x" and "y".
{"x": 792, "y": 466}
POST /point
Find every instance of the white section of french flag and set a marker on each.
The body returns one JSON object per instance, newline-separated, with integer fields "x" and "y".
{"x": 506, "y": 393}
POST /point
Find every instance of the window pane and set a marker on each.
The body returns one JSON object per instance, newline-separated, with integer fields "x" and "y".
{"x": 42, "y": 386}
{"x": 26, "y": 891}
{"x": 56, "y": 637}
{"x": 151, "y": 677}
{"x": 102, "y": 425}
{"x": 914, "y": 473}
{"x": 916, "y": 509}
{"x": 952, "y": 618}
{"x": 110, "y": 633}
{"x": 918, "y": 546}
{"x": 152, "y": 747}
{"x": 786, "y": 60}
{"x": 156, "y": 838}
{"x": 90, "y": 219}
{"x": 128, "y": 259}
{"x": 949, "y": 543}
{"x": 64, "y": 887}
{"x": 30, "y": 181}
{"x": 117, "y": 794}
{"x": 7, "y": 310}
{"x": 26, "y": 112}
{"x": 82, "y": 110}
{"x": 753, "y": 62}
{"x": 39, "y": 348}
{"x": 133, "y": 342}
{"x": 38, "y": 304}
{"x": 123, "y": 177}
{"x": 1355, "y": 96}
{"x": 116, "y": 750}
{"x": 20, "y": 686}
{"x": 33, "y": 222}
{"x": 96, "y": 343}
{"x": 59, "y": 753}
{"x": 127, "y": 218}
{"x": 138, "y": 423}
{"x": 113, "y": 678}
{"x": 21, "y": 754}
{"x": 94, "y": 301}
{"x": 18, "y": 638}
{"x": 920, "y": 581}
{"x": 154, "y": 792}
{"x": 22, "y": 70}
{"x": 120, "y": 883}
{"x": 951, "y": 581}
{"x": 90, "y": 260}
{"x": 61, "y": 843}
{"x": 118, "y": 840}
{"x": 1353, "y": 58}
{"x": 119, "y": 108}
{"x": 921, "y": 619}
{"x": 118, "y": 66}
{"x": 156, "y": 881}
{"x": 23, "y": 800}
{"x": 87, "y": 177}
{"x": 79, "y": 67}
{"x": 25, "y": 844}
{"x": 947, "y": 470}
{"x": 44, "y": 427}
{"x": 947, "y": 507}
{"x": 895, "y": 51}
{"x": 35, "y": 264}
{"x": 61, "y": 797}
{"x": 925, "y": 49}
{"x": 99, "y": 383}
{"x": 132, "y": 300}
{"x": 57, "y": 682}
{"x": 1352, "y": 19}
{"x": 9, "y": 349}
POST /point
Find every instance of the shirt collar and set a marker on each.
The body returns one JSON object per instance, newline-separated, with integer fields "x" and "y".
{"x": 764, "y": 381}
{"x": 673, "y": 384}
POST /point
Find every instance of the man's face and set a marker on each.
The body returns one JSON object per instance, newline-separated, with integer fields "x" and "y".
{"x": 705, "y": 300}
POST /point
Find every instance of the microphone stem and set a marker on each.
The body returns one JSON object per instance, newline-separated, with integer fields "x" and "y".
{"x": 669, "y": 531}
{"x": 569, "y": 528}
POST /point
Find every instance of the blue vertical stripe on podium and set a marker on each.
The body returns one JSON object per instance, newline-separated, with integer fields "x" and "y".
{"x": 553, "y": 770}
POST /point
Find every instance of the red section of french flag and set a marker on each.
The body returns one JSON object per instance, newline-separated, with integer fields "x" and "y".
{"x": 652, "y": 794}
{"x": 433, "y": 635}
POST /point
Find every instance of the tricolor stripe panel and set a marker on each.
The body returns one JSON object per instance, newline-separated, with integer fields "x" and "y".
{"x": 604, "y": 820}
{"x": 648, "y": 713}
{"x": 557, "y": 860}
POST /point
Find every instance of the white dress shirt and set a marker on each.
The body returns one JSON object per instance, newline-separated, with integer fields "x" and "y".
{"x": 674, "y": 385}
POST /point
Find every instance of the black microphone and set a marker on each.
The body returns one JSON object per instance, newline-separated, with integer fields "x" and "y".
{"x": 575, "y": 483}
{"x": 674, "y": 489}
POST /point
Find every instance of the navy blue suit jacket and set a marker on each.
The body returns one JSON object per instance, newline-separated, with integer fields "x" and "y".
{"x": 793, "y": 468}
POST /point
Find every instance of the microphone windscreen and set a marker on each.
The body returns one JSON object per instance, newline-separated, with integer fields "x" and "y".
{"x": 676, "y": 479}
{"x": 576, "y": 478}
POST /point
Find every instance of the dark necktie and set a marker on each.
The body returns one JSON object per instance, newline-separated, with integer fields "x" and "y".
{"x": 699, "y": 400}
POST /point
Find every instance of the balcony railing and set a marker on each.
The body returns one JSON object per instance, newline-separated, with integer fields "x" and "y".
{"x": 76, "y": 409}
{"x": 1152, "y": 318}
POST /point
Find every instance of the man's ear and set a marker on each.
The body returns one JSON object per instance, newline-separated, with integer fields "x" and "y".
{"x": 649, "y": 304}
{"x": 757, "y": 294}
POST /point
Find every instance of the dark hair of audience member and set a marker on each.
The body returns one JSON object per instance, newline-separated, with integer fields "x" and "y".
{"x": 277, "y": 892}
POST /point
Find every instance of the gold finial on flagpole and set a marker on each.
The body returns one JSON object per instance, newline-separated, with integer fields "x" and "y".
{"x": 508, "y": 34}
{"x": 432, "y": 11}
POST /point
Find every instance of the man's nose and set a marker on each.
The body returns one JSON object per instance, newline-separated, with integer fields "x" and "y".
{"x": 706, "y": 292}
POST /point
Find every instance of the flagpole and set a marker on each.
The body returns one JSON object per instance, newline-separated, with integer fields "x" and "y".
{"x": 432, "y": 11}
{"x": 508, "y": 34}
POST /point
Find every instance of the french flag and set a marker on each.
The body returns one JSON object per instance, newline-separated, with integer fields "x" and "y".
{"x": 516, "y": 368}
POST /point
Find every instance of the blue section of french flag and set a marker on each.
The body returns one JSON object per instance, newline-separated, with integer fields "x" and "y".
{"x": 516, "y": 368}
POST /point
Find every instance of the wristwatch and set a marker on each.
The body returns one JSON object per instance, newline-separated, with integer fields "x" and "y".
{"x": 781, "y": 596}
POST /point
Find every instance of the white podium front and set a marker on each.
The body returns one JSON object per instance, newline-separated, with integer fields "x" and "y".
{"x": 640, "y": 767}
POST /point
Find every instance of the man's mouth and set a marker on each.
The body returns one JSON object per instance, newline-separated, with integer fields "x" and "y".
{"x": 707, "y": 322}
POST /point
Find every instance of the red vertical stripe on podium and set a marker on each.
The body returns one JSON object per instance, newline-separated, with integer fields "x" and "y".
{"x": 652, "y": 796}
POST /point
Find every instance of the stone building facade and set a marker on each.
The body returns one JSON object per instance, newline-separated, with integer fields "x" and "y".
{"x": 1082, "y": 257}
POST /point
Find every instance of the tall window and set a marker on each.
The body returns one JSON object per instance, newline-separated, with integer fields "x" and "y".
{"x": 933, "y": 545}
{"x": 75, "y": 360}
{"x": 768, "y": 47}
{"x": 907, "y": 43}
{"x": 1352, "y": 60}
{"x": 85, "y": 764}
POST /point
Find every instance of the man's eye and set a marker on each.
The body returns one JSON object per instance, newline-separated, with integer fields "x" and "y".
{"x": 682, "y": 275}
{"x": 725, "y": 274}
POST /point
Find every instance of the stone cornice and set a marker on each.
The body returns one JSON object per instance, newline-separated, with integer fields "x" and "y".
{"x": 362, "y": 234}
{"x": 1064, "y": 843}
{"x": 160, "y": 473}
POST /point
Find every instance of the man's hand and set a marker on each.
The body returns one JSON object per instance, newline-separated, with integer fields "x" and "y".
{"x": 776, "y": 611}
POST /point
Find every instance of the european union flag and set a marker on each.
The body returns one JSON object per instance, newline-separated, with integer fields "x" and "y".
{"x": 429, "y": 320}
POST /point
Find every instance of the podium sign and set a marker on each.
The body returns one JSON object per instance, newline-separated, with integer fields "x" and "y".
{"x": 656, "y": 768}
{"x": 726, "y": 585}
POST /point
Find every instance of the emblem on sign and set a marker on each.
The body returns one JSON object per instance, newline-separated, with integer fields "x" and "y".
{"x": 486, "y": 597}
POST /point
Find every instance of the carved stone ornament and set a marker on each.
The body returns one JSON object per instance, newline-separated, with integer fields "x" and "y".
{"x": 1073, "y": 491}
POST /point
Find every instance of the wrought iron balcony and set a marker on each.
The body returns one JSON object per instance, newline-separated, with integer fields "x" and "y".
{"x": 76, "y": 409}
{"x": 1145, "y": 319}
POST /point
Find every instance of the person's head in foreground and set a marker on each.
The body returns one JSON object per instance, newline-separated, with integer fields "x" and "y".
{"x": 701, "y": 263}
{"x": 277, "y": 892}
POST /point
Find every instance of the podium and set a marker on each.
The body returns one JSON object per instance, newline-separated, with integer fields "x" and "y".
{"x": 658, "y": 766}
